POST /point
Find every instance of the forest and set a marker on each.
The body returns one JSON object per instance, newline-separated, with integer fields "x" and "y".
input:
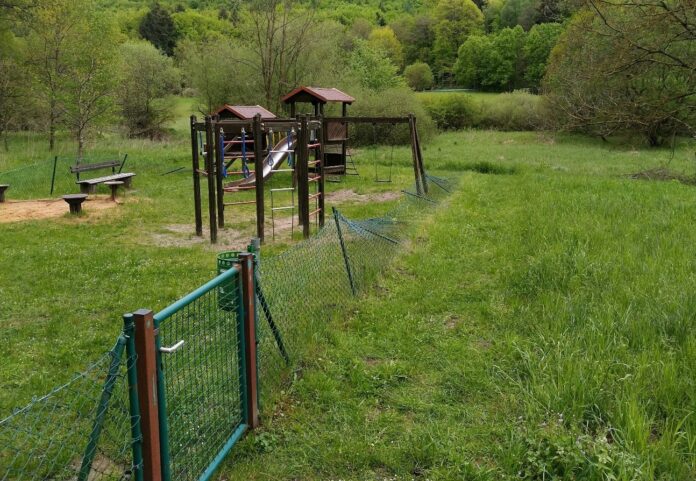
{"x": 602, "y": 67}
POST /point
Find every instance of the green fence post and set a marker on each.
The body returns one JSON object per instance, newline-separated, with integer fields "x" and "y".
{"x": 134, "y": 408}
{"x": 344, "y": 250}
{"x": 102, "y": 408}
{"x": 53, "y": 176}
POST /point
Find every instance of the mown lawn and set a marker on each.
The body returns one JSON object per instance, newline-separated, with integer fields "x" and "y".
{"x": 540, "y": 326}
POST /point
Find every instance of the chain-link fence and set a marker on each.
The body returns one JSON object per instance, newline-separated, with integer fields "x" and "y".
{"x": 79, "y": 431}
{"x": 84, "y": 430}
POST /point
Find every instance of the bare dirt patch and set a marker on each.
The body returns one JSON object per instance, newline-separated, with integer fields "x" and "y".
{"x": 349, "y": 195}
{"x": 23, "y": 210}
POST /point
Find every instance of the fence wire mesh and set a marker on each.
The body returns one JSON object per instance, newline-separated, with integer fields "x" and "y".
{"x": 203, "y": 391}
{"x": 300, "y": 290}
{"x": 79, "y": 431}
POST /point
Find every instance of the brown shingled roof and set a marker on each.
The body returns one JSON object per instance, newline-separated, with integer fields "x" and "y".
{"x": 246, "y": 112}
{"x": 322, "y": 94}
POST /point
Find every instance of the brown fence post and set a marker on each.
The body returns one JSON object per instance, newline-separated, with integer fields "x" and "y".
{"x": 322, "y": 171}
{"x": 210, "y": 168}
{"x": 146, "y": 366}
{"x": 196, "y": 177}
{"x": 303, "y": 176}
{"x": 258, "y": 173}
{"x": 249, "y": 301}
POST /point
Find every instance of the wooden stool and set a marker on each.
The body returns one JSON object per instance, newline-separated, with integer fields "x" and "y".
{"x": 3, "y": 188}
{"x": 75, "y": 202}
{"x": 114, "y": 185}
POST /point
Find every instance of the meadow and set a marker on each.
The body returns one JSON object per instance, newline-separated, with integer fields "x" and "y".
{"x": 539, "y": 326}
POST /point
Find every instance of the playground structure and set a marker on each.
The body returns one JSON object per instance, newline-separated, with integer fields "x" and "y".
{"x": 311, "y": 146}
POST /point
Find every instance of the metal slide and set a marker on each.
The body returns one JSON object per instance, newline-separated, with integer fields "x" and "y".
{"x": 274, "y": 160}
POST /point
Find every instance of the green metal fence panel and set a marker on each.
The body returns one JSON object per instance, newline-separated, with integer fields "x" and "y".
{"x": 201, "y": 389}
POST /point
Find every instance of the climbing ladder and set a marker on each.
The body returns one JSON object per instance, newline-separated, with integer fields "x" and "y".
{"x": 276, "y": 190}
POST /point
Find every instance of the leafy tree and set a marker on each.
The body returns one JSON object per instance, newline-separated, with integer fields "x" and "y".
{"x": 491, "y": 14}
{"x": 509, "y": 44}
{"x": 372, "y": 67}
{"x": 147, "y": 78}
{"x": 384, "y": 38}
{"x": 217, "y": 69}
{"x": 456, "y": 20}
{"x": 519, "y": 12}
{"x": 12, "y": 83}
{"x": 90, "y": 75}
{"x": 53, "y": 31}
{"x": 419, "y": 76}
{"x": 279, "y": 39}
{"x": 540, "y": 41}
{"x": 361, "y": 28}
{"x": 197, "y": 26}
{"x": 475, "y": 60}
{"x": 417, "y": 36}
{"x": 158, "y": 28}
{"x": 626, "y": 65}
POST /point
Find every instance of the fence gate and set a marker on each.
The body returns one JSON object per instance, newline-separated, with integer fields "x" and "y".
{"x": 203, "y": 380}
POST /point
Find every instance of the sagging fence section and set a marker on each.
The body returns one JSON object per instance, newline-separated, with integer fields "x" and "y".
{"x": 182, "y": 386}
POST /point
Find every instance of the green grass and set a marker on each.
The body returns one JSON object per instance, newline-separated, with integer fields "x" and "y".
{"x": 541, "y": 324}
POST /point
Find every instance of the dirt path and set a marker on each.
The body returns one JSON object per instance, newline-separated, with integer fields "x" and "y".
{"x": 23, "y": 210}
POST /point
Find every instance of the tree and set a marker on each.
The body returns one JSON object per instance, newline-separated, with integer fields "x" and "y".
{"x": 417, "y": 35}
{"x": 278, "y": 39}
{"x": 89, "y": 75}
{"x": 419, "y": 76}
{"x": 146, "y": 79}
{"x": 216, "y": 69}
{"x": 158, "y": 28}
{"x": 456, "y": 20}
{"x": 519, "y": 12}
{"x": 626, "y": 66}
{"x": 509, "y": 44}
{"x": 361, "y": 28}
{"x": 537, "y": 48}
{"x": 384, "y": 38}
{"x": 54, "y": 30}
{"x": 373, "y": 68}
{"x": 475, "y": 60}
{"x": 12, "y": 83}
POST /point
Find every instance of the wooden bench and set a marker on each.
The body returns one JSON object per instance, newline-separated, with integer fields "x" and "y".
{"x": 89, "y": 186}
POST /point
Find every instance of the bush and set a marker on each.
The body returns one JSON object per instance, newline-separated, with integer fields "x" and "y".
{"x": 451, "y": 111}
{"x": 419, "y": 76}
{"x": 394, "y": 102}
{"x": 513, "y": 111}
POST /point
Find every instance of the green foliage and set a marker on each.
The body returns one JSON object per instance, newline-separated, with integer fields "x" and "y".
{"x": 159, "y": 28}
{"x": 392, "y": 102}
{"x": 518, "y": 12}
{"x": 384, "y": 38}
{"x": 417, "y": 35}
{"x": 372, "y": 68}
{"x": 198, "y": 26}
{"x": 147, "y": 78}
{"x": 419, "y": 76}
{"x": 456, "y": 20}
{"x": 452, "y": 111}
{"x": 13, "y": 82}
{"x": 620, "y": 69}
{"x": 540, "y": 41}
{"x": 514, "y": 111}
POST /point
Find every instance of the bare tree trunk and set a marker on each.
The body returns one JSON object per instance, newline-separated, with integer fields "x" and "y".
{"x": 52, "y": 125}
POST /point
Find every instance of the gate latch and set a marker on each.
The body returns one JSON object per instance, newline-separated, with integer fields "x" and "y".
{"x": 172, "y": 349}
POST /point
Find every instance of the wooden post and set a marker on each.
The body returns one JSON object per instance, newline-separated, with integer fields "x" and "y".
{"x": 249, "y": 300}
{"x": 196, "y": 178}
{"x": 322, "y": 162}
{"x": 258, "y": 172}
{"x": 421, "y": 167}
{"x": 210, "y": 167}
{"x": 414, "y": 153}
{"x": 303, "y": 177}
{"x": 219, "y": 161}
{"x": 344, "y": 148}
{"x": 146, "y": 367}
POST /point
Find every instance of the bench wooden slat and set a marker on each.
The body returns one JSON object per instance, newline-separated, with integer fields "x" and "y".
{"x": 101, "y": 180}
{"x": 74, "y": 169}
